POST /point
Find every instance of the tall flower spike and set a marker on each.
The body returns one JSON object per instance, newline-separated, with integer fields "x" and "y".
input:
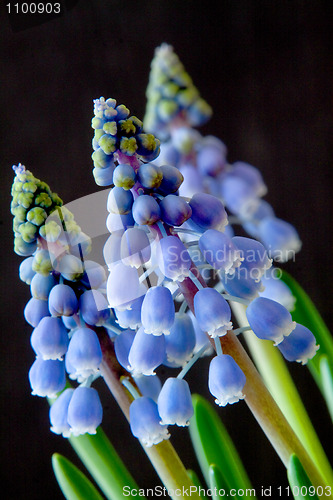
{"x": 171, "y": 94}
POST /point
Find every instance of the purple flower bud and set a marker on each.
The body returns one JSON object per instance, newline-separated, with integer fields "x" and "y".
{"x": 175, "y": 402}
{"x": 180, "y": 343}
{"x": 84, "y": 354}
{"x": 135, "y": 247}
{"x": 94, "y": 307}
{"x": 63, "y": 301}
{"x": 212, "y": 312}
{"x": 70, "y": 267}
{"x": 269, "y": 319}
{"x": 120, "y": 201}
{"x": 50, "y": 338}
{"x": 146, "y": 210}
{"x": 264, "y": 209}
{"x": 193, "y": 181}
{"x": 280, "y": 238}
{"x": 174, "y": 210}
{"x": 208, "y": 212}
{"x": 172, "y": 179}
{"x": 251, "y": 175}
{"x": 158, "y": 311}
{"x": 173, "y": 258}
{"x": 122, "y": 345}
{"x": 145, "y": 422}
{"x": 26, "y": 272}
{"x": 35, "y": 310}
{"x": 42, "y": 285}
{"x": 211, "y": 160}
{"x": 299, "y": 346}
{"x": 219, "y": 251}
{"x": 58, "y": 414}
{"x": 85, "y": 411}
{"x": 225, "y": 380}
{"x": 47, "y": 377}
{"x": 147, "y": 353}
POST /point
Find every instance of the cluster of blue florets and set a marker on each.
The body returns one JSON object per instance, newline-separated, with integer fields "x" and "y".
{"x": 117, "y": 131}
{"x": 171, "y": 249}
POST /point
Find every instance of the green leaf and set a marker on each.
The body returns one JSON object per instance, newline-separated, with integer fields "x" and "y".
{"x": 104, "y": 464}
{"x": 216, "y": 481}
{"x": 299, "y": 481}
{"x": 326, "y": 373}
{"x": 194, "y": 478}
{"x": 213, "y": 445}
{"x": 73, "y": 483}
{"x": 307, "y": 314}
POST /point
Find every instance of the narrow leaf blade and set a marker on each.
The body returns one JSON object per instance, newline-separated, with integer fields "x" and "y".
{"x": 72, "y": 482}
{"x": 299, "y": 481}
{"x": 216, "y": 482}
{"x": 213, "y": 445}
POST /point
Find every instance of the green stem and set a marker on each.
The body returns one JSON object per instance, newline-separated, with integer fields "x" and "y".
{"x": 163, "y": 456}
{"x": 280, "y": 384}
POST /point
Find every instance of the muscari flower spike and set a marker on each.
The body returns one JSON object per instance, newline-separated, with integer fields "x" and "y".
{"x": 171, "y": 94}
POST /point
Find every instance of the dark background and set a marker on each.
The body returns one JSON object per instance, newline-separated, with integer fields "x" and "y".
{"x": 266, "y": 69}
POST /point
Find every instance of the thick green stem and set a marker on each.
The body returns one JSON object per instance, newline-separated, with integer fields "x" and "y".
{"x": 163, "y": 456}
{"x": 259, "y": 399}
{"x": 280, "y": 384}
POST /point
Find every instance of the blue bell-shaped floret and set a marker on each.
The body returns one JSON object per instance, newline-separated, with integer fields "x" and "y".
{"x": 41, "y": 286}
{"x": 35, "y": 310}
{"x": 104, "y": 176}
{"x": 263, "y": 209}
{"x": 158, "y": 311}
{"x": 58, "y": 414}
{"x": 219, "y": 251}
{"x": 145, "y": 422}
{"x": 119, "y": 222}
{"x": 238, "y": 196}
{"x": 173, "y": 258}
{"x": 280, "y": 238}
{"x": 251, "y": 175}
{"x": 122, "y": 345}
{"x": 63, "y": 301}
{"x": 147, "y": 353}
{"x": 225, "y": 380}
{"x": 123, "y": 286}
{"x": 47, "y": 377}
{"x": 111, "y": 250}
{"x": 135, "y": 247}
{"x": 201, "y": 339}
{"x": 212, "y": 312}
{"x": 299, "y": 346}
{"x": 175, "y": 402}
{"x": 94, "y": 274}
{"x": 130, "y": 318}
{"x": 70, "y": 267}
{"x": 49, "y": 339}
{"x": 276, "y": 289}
{"x": 193, "y": 181}
{"x": 269, "y": 319}
{"x": 175, "y": 210}
{"x": 85, "y": 411}
{"x": 240, "y": 284}
{"x": 211, "y": 160}
{"x": 208, "y": 212}
{"x": 254, "y": 255}
{"x": 84, "y": 354}
{"x": 149, "y": 386}
{"x": 94, "y": 307}
{"x": 124, "y": 176}
{"x": 180, "y": 343}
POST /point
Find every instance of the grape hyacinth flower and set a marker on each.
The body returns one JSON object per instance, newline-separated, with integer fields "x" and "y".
{"x": 157, "y": 311}
{"x": 85, "y": 411}
{"x": 174, "y": 402}
{"x": 300, "y": 345}
{"x": 146, "y": 422}
{"x": 212, "y": 312}
{"x": 226, "y": 380}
